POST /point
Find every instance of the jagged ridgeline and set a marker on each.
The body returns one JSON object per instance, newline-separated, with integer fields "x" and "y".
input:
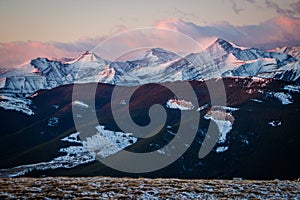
{"x": 156, "y": 65}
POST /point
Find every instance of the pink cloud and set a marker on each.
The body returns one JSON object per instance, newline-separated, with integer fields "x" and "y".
{"x": 187, "y": 28}
{"x": 15, "y": 53}
{"x": 170, "y": 23}
{"x": 145, "y": 38}
{"x": 281, "y": 31}
{"x": 288, "y": 24}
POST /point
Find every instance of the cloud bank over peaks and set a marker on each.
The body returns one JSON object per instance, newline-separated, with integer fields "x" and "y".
{"x": 13, "y": 54}
{"x": 280, "y": 31}
{"x": 291, "y": 9}
{"x": 276, "y": 32}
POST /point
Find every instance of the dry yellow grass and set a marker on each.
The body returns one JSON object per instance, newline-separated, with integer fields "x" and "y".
{"x": 129, "y": 188}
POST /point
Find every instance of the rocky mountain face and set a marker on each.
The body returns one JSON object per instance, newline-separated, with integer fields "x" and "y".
{"x": 42, "y": 73}
{"x": 220, "y": 59}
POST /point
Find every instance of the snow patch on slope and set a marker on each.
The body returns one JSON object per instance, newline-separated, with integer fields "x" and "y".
{"x": 225, "y": 108}
{"x": 53, "y": 121}
{"x": 75, "y": 155}
{"x": 221, "y": 149}
{"x": 284, "y": 98}
{"x": 14, "y": 103}
{"x": 80, "y": 104}
{"x": 275, "y": 123}
{"x": 224, "y": 127}
{"x": 73, "y": 138}
{"x": 292, "y": 88}
{"x": 223, "y": 118}
{"x": 180, "y": 104}
{"x": 105, "y": 142}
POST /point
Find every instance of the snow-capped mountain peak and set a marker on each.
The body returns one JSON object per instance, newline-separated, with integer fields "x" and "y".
{"x": 150, "y": 66}
{"x": 156, "y": 56}
{"x": 221, "y": 48}
{"x": 218, "y": 48}
{"x": 228, "y": 46}
{"x": 293, "y": 51}
{"x": 155, "y": 65}
{"x": 88, "y": 56}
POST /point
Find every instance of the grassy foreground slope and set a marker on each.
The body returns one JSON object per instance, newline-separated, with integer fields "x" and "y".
{"x": 142, "y": 188}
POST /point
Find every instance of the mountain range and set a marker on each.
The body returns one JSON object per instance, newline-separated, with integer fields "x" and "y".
{"x": 220, "y": 59}
{"x": 258, "y": 128}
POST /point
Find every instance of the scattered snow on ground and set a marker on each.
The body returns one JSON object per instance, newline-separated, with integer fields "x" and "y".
{"x": 275, "y": 123}
{"x": 73, "y": 138}
{"x": 256, "y": 100}
{"x": 293, "y": 88}
{"x": 161, "y": 151}
{"x": 145, "y": 188}
{"x": 170, "y": 132}
{"x": 14, "y": 103}
{"x": 80, "y": 104}
{"x": 105, "y": 142}
{"x": 203, "y": 107}
{"x": 123, "y": 102}
{"x": 283, "y": 98}
{"x": 221, "y": 149}
{"x": 74, "y": 156}
{"x": 225, "y": 108}
{"x": 245, "y": 141}
{"x": 53, "y": 121}
{"x": 167, "y": 150}
{"x": 55, "y": 106}
{"x": 180, "y": 104}
{"x": 224, "y": 127}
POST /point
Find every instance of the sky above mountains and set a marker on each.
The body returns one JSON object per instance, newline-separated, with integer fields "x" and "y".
{"x": 66, "y": 28}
